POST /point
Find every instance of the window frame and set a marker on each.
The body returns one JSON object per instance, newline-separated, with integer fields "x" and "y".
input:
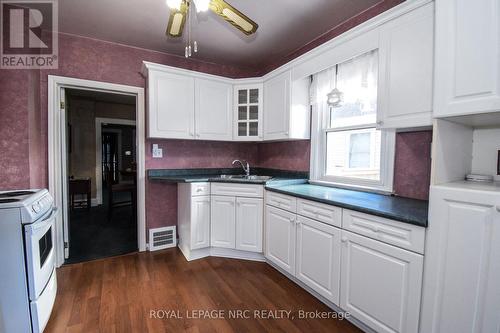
{"x": 320, "y": 126}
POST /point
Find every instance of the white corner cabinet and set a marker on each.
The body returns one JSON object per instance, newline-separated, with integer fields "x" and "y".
{"x": 406, "y": 58}
{"x": 462, "y": 267}
{"x": 467, "y": 65}
{"x": 364, "y": 264}
{"x": 221, "y": 219}
{"x": 248, "y": 115}
{"x": 286, "y": 108}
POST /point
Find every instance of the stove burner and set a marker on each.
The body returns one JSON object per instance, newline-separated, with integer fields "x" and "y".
{"x": 8, "y": 200}
{"x": 15, "y": 194}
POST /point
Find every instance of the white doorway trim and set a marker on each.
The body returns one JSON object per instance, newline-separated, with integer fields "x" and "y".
{"x": 57, "y": 151}
{"x": 98, "y": 150}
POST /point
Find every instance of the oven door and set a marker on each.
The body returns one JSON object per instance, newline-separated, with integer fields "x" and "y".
{"x": 40, "y": 253}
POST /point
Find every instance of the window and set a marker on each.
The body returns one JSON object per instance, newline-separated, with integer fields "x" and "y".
{"x": 348, "y": 149}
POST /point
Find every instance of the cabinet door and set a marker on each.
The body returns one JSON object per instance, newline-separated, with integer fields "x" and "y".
{"x": 213, "y": 110}
{"x": 380, "y": 284}
{"x": 462, "y": 266}
{"x": 406, "y": 70}
{"x": 248, "y": 112}
{"x": 280, "y": 238}
{"x": 171, "y": 106}
{"x": 467, "y": 75}
{"x": 318, "y": 257}
{"x": 249, "y": 218}
{"x": 223, "y": 222}
{"x": 277, "y": 107}
{"x": 200, "y": 222}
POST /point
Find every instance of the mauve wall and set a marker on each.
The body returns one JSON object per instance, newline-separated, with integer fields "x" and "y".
{"x": 293, "y": 155}
{"x": 412, "y": 166}
{"x": 161, "y": 198}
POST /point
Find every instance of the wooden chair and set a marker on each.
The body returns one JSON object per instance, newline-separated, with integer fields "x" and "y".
{"x": 80, "y": 186}
{"x": 117, "y": 188}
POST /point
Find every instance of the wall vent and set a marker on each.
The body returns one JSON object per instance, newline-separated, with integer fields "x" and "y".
{"x": 162, "y": 238}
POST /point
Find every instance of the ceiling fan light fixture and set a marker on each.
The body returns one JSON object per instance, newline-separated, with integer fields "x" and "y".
{"x": 202, "y": 5}
{"x": 175, "y": 29}
{"x": 174, "y": 4}
{"x": 233, "y": 16}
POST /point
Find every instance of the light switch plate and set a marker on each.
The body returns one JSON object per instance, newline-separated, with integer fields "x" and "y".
{"x": 157, "y": 152}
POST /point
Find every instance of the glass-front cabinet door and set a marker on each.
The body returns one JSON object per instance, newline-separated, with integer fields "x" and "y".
{"x": 248, "y": 112}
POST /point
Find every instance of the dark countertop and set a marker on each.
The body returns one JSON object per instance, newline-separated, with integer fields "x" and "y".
{"x": 295, "y": 183}
{"x": 280, "y": 177}
{"x": 406, "y": 210}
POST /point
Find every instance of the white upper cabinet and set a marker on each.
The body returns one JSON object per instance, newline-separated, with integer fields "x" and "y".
{"x": 286, "y": 108}
{"x": 248, "y": 112}
{"x": 170, "y": 105}
{"x": 213, "y": 110}
{"x": 467, "y": 74}
{"x": 406, "y": 56}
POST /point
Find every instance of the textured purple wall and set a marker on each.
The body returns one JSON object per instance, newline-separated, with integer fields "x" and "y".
{"x": 161, "y": 198}
{"x": 293, "y": 155}
{"x": 412, "y": 167}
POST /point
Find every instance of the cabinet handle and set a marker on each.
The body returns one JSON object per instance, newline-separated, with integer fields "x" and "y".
{"x": 498, "y": 208}
{"x": 191, "y": 134}
{"x": 380, "y": 122}
{"x": 344, "y": 239}
{"x": 292, "y": 219}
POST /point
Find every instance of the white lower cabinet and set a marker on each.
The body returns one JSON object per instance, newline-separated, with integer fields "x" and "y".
{"x": 462, "y": 268}
{"x": 318, "y": 257}
{"x": 380, "y": 284}
{"x": 377, "y": 283}
{"x": 200, "y": 222}
{"x": 249, "y": 221}
{"x": 280, "y": 238}
{"x": 223, "y": 222}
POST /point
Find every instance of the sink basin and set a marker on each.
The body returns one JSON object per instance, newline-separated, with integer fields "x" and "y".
{"x": 245, "y": 177}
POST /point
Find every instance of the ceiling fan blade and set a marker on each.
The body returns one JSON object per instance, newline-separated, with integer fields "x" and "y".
{"x": 233, "y": 16}
{"x": 177, "y": 19}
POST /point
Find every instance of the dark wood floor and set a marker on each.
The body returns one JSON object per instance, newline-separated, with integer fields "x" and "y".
{"x": 118, "y": 294}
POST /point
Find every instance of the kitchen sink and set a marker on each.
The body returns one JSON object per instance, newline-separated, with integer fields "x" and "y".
{"x": 245, "y": 177}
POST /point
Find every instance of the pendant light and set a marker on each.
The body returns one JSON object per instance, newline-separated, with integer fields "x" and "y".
{"x": 335, "y": 97}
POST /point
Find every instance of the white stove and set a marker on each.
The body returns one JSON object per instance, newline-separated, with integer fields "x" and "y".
{"x": 28, "y": 283}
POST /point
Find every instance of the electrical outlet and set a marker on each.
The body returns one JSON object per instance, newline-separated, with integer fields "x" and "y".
{"x": 157, "y": 152}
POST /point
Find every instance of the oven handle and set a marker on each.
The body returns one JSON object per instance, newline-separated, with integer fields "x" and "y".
{"x": 44, "y": 222}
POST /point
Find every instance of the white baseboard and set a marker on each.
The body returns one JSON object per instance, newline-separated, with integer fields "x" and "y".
{"x": 220, "y": 252}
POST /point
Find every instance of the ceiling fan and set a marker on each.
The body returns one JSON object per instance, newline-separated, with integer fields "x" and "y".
{"x": 180, "y": 10}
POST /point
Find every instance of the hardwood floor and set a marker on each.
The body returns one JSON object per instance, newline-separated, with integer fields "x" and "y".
{"x": 125, "y": 294}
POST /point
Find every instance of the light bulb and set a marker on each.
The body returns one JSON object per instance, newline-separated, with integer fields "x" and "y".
{"x": 202, "y": 5}
{"x": 174, "y": 4}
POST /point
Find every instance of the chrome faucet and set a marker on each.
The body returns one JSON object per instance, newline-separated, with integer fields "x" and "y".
{"x": 246, "y": 169}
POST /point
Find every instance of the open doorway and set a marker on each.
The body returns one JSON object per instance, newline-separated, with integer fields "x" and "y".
{"x": 101, "y": 174}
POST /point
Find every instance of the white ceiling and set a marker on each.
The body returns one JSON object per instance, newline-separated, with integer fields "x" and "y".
{"x": 284, "y": 26}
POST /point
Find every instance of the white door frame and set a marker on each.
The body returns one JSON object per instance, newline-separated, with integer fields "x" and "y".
{"x": 57, "y": 151}
{"x": 98, "y": 149}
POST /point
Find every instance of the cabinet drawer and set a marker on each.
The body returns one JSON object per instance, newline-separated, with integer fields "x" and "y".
{"x": 392, "y": 232}
{"x": 198, "y": 189}
{"x": 282, "y": 201}
{"x": 238, "y": 190}
{"x": 321, "y": 212}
